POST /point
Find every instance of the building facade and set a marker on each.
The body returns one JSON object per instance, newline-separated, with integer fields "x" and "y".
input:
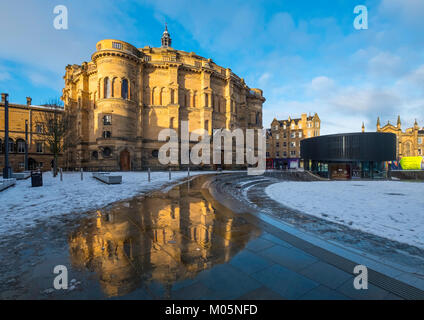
{"x": 410, "y": 143}
{"x": 284, "y": 137}
{"x": 39, "y": 154}
{"x": 125, "y": 96}
{"x": 349, "y": 155}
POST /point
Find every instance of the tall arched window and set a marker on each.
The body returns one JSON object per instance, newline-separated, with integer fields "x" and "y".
{"x": 106, "y": 88}
{"x": 154, "y": 90}
{"x": 172, "y": 91}
{"x": 206, "y": 100}
{"x": 171, "y": 123}
{"x": 11, "y": 145}
{"x": 124, "y": 89}
{"x": 161, "y": 94}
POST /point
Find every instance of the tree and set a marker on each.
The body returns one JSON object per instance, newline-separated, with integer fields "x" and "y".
{"x": 56, "y": 125}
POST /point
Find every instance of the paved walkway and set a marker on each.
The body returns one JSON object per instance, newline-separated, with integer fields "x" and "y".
{"x": 331, "y": 274}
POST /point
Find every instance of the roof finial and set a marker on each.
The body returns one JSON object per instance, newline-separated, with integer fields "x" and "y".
{"x": 166, "y": 38}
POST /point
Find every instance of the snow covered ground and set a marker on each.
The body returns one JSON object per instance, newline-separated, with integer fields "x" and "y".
{"x": 21, "y": 206}
{"x": 390, "y": 209}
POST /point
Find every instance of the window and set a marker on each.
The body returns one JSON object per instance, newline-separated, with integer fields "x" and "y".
{"x": 11, "y": 146}
{"x": 309, "y": 125}
{"x": 39, "y": 147}
{"x": 285, "y": 154}
{"x": 284, "y": 127}
{"x": 277, "y": 154}
{"x": 106, "y": 152}
{"x": 277, "y": 137}
{"x": 420, "y": 140}
{"x": 117, "y": 45}
{"x": 155, "y": 153}
{"x": 39, "y": 128}
{"x": 107, "y": 120}
{"x": 124, "y": 89}
{"x": 276, "y": 128}
{"x": 95, "y": 155}
{"x": 293, "y": 153}
{"x": 285, "y": 135}
{"x": 21, "y": 146}
{"x": 277, "y": 145}
{"x": 267, "y": 154}
{"x": 300, "y": 126}
{"x": 316, "y": 125}
{"x": 300, "y": 134}
{"x": 292, "y": 126}
{"x": 293, "y": 144}
{"x": 106, "y": 91}
{"x": 420, "y": 152}
{"x": 284, "y": 144}
{"x": 107, "y": 134}
{"x": 293, "y": 135}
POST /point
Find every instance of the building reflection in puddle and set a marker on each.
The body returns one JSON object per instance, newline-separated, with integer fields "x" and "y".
{"x": 159, "y": 239}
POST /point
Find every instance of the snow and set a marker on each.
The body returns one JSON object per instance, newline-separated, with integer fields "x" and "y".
{"x": 390, "y": 209}
{"x": 21, "y": 206}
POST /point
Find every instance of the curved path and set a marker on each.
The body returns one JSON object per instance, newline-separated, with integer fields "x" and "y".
{"x": 393, "y": 267}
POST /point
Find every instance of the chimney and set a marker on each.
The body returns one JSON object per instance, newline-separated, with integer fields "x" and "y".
{"x": 3, "y": 97}
{"x": 29, "y": 101}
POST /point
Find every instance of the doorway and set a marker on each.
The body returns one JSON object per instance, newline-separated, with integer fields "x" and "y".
{"x": 124, "y": 160}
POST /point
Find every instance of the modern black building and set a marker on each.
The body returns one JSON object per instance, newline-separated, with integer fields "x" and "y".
{"x": 350, "y": 155}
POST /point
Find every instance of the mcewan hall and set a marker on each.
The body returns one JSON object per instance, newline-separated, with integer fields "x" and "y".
{"x": 125, "y": 96}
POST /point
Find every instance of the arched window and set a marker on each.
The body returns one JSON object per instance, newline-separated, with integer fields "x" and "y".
{"x": 161, "y": 96}
{"x": 172, "y": 91}
{"x": 114, "y": 87}
{"x": 154, "y": 90}
{"x": 258, "y": 119}
{"x": 171, "y": 123}
{"x": 106, "y": 88}
{"x": 11, "y": 145}
{"x": 207, "y": 125}
{"x": 124, "y": 89}
{"x": 206, "y": 100}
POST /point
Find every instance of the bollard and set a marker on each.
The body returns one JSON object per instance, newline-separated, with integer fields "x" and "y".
{"x": 61, "y": 176}
{"x": 82, "y": 174}
{"x": 169, "y": 173}
{"x": 188, "y": 172}
{"x": 148, "y": 174}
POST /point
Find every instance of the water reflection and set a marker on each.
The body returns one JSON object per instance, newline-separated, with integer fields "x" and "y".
{"x": 163, "y": 238}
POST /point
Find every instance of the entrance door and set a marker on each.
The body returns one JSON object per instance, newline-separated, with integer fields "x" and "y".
{"x": 125, "y": 163}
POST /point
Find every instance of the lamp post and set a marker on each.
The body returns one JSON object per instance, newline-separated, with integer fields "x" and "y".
{"x": 26, "y": 145}
{"x": 7, "y": 170}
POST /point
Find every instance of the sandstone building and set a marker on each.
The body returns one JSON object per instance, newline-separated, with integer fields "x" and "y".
{"x": 124, "y": 96}
{"x": 410, "y": 143}
{"x": 39, "y": 154}
{"x": 283, "y": 139}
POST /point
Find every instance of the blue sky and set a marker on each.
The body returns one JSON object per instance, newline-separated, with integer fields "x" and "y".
{"x": 305, "y": 55}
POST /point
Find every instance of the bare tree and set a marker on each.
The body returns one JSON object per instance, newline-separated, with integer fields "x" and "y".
{"x": 56, "y": 125}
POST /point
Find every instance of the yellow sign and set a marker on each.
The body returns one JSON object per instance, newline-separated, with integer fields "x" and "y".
{"x": 412, "y": 163}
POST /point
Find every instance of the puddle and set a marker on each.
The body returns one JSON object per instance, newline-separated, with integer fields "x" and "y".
{"x": 158, "y": 240}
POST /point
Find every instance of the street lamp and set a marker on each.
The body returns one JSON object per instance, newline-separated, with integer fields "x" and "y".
{"x": 7, "y": 170}
{"x": 26, "y": 145}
